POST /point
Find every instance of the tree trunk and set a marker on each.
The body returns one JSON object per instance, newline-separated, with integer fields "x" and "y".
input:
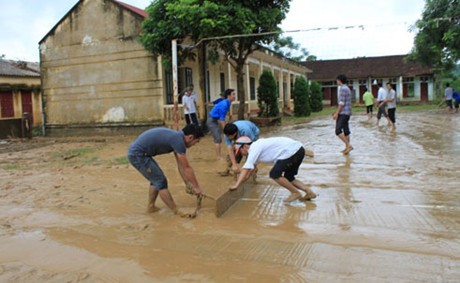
{"x": 203, "y": 112}
{"x": 241, "y": 91}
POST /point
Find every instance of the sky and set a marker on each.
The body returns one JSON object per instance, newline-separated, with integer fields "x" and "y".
{"x": 328, "y": 29}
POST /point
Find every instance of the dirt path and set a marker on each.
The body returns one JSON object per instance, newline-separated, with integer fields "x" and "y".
{"x": 73, "y": 210}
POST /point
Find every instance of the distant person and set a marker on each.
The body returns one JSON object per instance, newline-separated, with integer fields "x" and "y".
{"x": 189, "y": 103}
{"x": 381, "y": 96}
{"x": 159, "y": 141}
{"x": 232, "y": 131}
{"x": 390, "y": 100}
{"x": 448, "y": 92}
{"x": 216, "y": 119}
{"x": 456, "y": 98}
{"x": 369, "y": 101}
{"x": 343, "y": 113}
{"x": 286, "y": 154}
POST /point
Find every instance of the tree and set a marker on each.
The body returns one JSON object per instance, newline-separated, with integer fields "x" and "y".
{"x": 437, "y": 42}
{"x": 301, "y": 98}
{"x": 287, "y": 48}
{"x": 316, "y": 97}
{"x": 211, "y": 23}
{"x": 267, "y": 98}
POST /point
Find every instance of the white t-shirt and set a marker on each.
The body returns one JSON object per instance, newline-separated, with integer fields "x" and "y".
{"x": 270, "y": 150}
{"x": 391, "y": 95}
{"x": 381, "y": 94}
{"x": 189, "y": 102}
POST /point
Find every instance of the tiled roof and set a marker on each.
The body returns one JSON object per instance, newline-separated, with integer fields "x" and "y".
{"x": 19, "y": 68}
{"x": 134, "y": 9}
{"x": 375, "y": 67}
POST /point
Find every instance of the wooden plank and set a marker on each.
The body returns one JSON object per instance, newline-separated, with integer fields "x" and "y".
{"x": 226, "y": 200}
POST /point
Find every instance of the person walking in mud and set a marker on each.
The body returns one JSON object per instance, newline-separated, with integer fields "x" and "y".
{"x": 448, "y": 93}
{"x": 232, "y": 131}
{"x": 216, "y": 119}
{"x": 343, "y": 113}
{"x": 286, "y": 154}
{"x": 381, "y": 105}
{"x": 159, "y": 141}
{"x": 390, "y": 100}
{"x": 369, "y": 101}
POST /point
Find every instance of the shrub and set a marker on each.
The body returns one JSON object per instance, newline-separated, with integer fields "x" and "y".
{"x": 267, "y": 99}
{"x": 316, "y": 97}
{"x": 301, "y": 98}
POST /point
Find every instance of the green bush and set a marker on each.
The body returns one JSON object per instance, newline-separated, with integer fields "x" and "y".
{"x": 316, "y": 97}
{"x": 267, "y": 100}
{"x": 301, "y": 98}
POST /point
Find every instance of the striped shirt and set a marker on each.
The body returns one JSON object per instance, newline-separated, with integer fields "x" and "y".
{"x": 345, "y": 100}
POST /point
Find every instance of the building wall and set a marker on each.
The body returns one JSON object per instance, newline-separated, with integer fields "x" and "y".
{"x": 19, "y": 85}
{"x": 94, "y": 71}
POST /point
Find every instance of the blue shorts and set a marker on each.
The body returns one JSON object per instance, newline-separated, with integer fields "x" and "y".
{"x": 149, "y": 168}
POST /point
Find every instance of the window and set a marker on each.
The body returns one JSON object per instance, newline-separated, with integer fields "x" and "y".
{"x": 252, "y": 88}
{"x": 222, "y": 82}
{"x": 169, "y": 87}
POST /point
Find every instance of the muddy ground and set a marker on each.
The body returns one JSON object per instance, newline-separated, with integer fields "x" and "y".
{"x": 73, "y": 210}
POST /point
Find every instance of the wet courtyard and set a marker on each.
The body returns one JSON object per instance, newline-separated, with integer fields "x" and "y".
{"x": 389, "y": 211}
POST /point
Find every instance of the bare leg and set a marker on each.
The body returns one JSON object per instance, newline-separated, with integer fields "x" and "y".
{"x": 303, "y": 187}
{"x": 167, "y": 199}
{"x": 294, "y": 192}
{"x": 217, "y": 147}
{"x": 153, "y": 194}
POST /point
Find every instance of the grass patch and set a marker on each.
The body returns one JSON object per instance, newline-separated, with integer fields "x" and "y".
{"x": 11, "y": 166}
{"x": 120, "y": 160}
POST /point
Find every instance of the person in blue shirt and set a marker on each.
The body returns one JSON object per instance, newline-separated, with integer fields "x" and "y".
{"x": 456, "y": 98}
{"x": 216, "y": 119}
{"x": 232, "y": 131}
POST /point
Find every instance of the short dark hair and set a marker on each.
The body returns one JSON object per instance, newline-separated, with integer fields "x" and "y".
{"x": 228, "y": 91}
{"x": 192, "y": 129}
{"x": 230, "y": 129}
{"x": 379, "y": 84}
{"x": 342, "y": 78}
{"x": 447, "y": 84}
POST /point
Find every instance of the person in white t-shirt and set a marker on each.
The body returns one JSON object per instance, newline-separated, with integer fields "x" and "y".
{"x": 390, "y": 100}
{"x": 381, "y": 96}
{"x": 189, "y": 102}
{"x": 286, "y": 154}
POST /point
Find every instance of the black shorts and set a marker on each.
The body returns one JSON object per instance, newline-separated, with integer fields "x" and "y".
{"x": 392, "y": 114}
{"x": 369, "y": 109}
{"x": 341, "y": 125}
{"x": 290, "y": 166}
{"x": 449, "y": 103}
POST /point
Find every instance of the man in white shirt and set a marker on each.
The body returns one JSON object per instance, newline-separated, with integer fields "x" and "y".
{"x": 381, "y": 96}
{"x": 189, "y": 102}
{"x": 286, "y": 154}
{"x": 390, "y": 100}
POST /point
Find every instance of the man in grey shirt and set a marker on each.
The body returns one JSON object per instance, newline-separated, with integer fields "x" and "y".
{"x": 159, "y": 141}
{"x": 390, "y": 100}
{"x": 448, "y": 93}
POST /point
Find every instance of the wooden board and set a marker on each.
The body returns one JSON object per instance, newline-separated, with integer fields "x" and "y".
{"x": 226, "y": 200}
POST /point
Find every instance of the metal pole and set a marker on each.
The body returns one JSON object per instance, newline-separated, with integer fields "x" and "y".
{"x": 175, "y": 91}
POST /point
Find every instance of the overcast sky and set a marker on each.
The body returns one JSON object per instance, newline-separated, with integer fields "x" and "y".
{"x": 347, "y": 29}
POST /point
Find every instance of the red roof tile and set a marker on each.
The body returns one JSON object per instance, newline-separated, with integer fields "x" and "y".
{"x": 375, "y": 67}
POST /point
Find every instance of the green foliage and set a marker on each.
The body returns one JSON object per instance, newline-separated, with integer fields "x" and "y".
{"x": 316, "y": 97}
{"x": 267, "y": 99}
{"x": 203, "y": 19}
{"x": 301, "y": 98}
{"x": 287, "y": 48}
{"x": 437, "y": 43}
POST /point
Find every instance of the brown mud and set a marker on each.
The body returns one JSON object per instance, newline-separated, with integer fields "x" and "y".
{"x": 73, "y": 210}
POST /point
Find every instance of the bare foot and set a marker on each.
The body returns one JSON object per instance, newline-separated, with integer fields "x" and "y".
{"x": 152, "y": 209}
{"x": 347, "y": 150}
{"x": 308, "y": 196}
{"x": 293, "y": 197}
